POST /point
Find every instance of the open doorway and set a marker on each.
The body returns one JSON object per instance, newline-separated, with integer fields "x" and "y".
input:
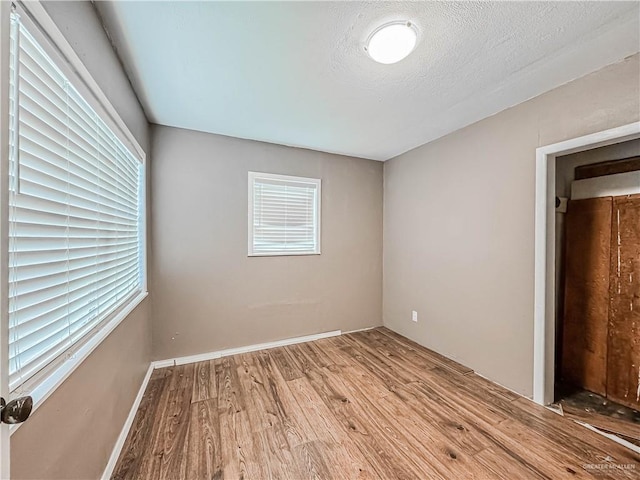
{"x": 597, "y": 268}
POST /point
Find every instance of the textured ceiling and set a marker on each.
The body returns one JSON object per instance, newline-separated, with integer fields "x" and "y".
{"x": 295, "y": 73}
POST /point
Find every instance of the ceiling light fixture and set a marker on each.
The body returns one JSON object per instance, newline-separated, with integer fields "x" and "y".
{"x": 392, "y": 42}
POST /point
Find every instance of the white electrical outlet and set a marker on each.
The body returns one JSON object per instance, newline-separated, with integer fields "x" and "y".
{"x": 414, "y": 315}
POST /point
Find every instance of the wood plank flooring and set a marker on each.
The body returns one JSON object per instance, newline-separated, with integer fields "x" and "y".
{"x": 367, "y": 405}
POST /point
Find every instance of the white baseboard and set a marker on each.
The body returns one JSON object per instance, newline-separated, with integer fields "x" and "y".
{"x": 361, "y": 329}
{"x": 117, "y": 448}
{"x": 234, "y": 351}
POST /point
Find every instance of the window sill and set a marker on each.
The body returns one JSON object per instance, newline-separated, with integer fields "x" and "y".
{"x": 48, "y": 385}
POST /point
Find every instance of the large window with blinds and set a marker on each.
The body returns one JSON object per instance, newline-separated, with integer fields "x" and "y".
{"x": 76, "y": 212}
{"x": 284, "y": 215}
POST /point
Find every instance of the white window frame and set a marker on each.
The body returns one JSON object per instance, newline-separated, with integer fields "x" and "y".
{"x": 58, "y": 48}
{"x": 253, "y": 176}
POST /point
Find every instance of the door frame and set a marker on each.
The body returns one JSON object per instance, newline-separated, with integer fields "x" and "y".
{"x": 545, "y": 254}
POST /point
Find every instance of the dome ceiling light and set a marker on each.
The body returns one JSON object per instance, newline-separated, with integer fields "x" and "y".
{"x": 392, "y": 42}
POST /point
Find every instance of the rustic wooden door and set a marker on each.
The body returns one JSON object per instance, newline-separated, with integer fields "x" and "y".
{"x": 601, "y": 325}
{"x": 586, "y": 306}
{"x": 623, "y": 349}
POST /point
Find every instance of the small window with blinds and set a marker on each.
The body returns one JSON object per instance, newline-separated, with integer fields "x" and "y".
{"x": 284, "y": 215}
{"x": 75, "y": 214}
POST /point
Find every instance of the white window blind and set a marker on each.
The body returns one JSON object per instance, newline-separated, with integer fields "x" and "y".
{"x": 75, "y": 205}
{"x": 284, "y": 215}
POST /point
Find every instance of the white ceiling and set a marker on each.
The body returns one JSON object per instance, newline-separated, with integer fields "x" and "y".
{"x": 295, "y": 73}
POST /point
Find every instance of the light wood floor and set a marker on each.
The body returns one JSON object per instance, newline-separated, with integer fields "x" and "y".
{"x": 368, "y": 405}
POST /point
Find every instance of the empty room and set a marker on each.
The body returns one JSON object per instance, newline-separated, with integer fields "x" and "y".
{"x": 321, "y": 240}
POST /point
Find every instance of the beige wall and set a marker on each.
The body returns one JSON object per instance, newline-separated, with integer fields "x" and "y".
{"x": 459, "y": 224}
{"x": 208, "y": 295}
{"x": 71, "y": 435}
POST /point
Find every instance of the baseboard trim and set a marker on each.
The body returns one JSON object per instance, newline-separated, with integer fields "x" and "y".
{"x": 249, "y": 348}
{"x": 361, "y": 329}
{"x": 117, "y": 448}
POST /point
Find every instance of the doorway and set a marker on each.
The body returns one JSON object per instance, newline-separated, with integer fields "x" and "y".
{"x": 545, "y": 254}
{"x": 597, "y": 349}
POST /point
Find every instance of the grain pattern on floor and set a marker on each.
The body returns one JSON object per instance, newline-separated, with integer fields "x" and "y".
{"x": 367, "y": 405}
